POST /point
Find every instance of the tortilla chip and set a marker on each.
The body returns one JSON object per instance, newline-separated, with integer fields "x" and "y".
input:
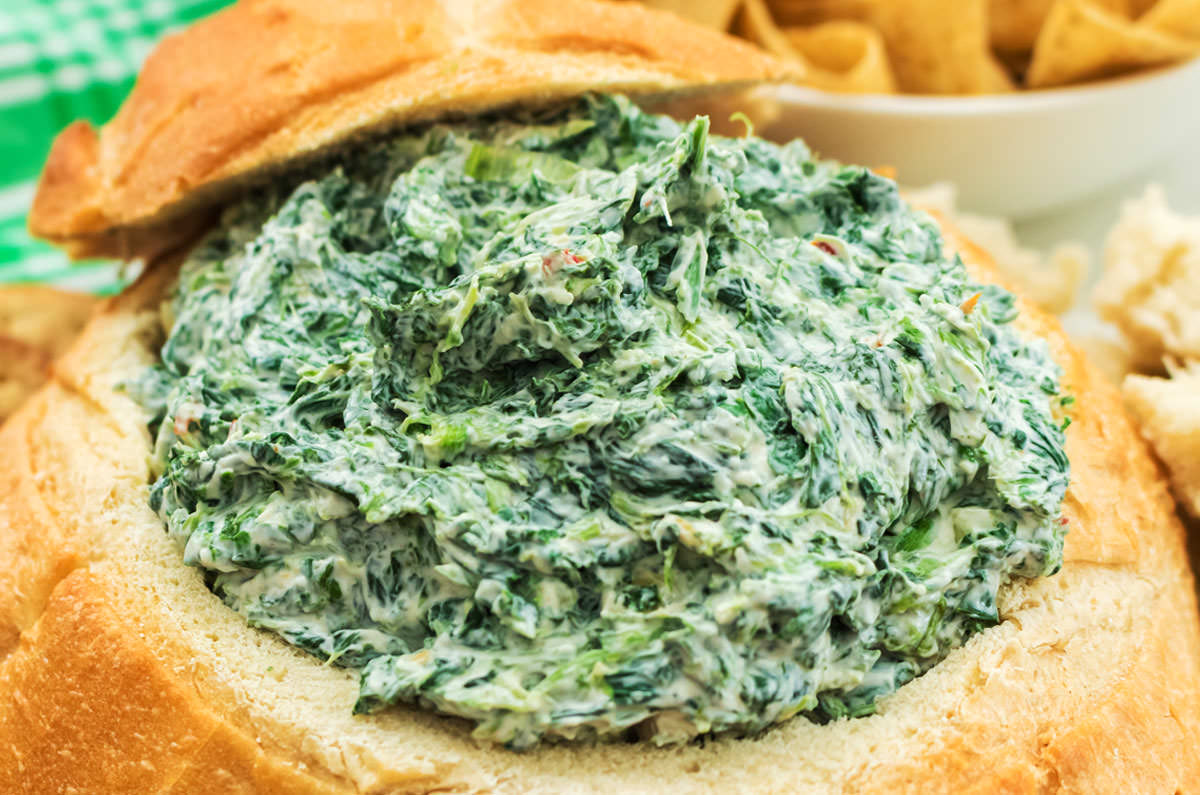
{"x": 940, "y": 46}
{"x": 803, "y": 13}
{"x": 715, "y": 14}
{"x": 1175, "y": 17}
{"x": 844, "y": 56}
{"x": 1139, "y": 7}
{"x": 1015, "y": 63}
{"x": 1081, "y": 39}
{"x": 1015, "y": 24}
{"x": 756, "y": 23}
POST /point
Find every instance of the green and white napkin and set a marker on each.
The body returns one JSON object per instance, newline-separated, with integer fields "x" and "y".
{"x": 62, "y": 60}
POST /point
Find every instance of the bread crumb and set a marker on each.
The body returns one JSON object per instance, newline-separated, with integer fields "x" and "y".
{"x": 1168, "y": 413}
{"x": 1150, "y": 288}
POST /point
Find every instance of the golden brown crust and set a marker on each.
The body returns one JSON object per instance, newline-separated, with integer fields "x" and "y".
{"x": 123, "y": 673}
{"x": 160, "y": 736}
{"x": 266, "y": 82}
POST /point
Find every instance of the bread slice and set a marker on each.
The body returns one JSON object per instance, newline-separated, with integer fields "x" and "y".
{"x": 121, "y": 672}
{"x": 263, "y": 84}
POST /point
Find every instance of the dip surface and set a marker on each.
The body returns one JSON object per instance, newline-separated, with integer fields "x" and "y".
{"x": 585, "y": 421}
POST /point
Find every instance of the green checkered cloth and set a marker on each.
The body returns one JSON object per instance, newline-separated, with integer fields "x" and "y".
{"x": 62, "y": 60}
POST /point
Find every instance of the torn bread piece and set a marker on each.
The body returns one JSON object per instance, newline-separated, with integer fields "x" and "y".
{"x": 1150, "y": 291}
{"x": 1168, "y": 412}
{"x": 1150, "y": 288}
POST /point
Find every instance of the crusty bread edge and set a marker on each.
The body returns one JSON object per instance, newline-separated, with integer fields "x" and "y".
{"x": 187, "y": 139}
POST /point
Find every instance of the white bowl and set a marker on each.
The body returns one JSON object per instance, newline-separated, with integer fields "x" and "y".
{"x": 1009, "y": 154}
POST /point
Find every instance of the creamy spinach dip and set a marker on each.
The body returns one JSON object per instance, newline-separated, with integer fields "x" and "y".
{"x": 587, "y": 424}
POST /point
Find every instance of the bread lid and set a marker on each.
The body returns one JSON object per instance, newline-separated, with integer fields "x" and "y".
{"x": 236, "y": 97}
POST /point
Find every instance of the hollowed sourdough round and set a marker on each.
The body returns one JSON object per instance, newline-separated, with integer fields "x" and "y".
{"x": 121, "y": 672}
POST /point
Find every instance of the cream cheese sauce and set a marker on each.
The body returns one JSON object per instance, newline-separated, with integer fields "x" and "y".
{"x": 590, "y": 423}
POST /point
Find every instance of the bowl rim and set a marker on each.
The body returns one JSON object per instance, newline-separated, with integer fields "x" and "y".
{"x": 1015, "y": 102}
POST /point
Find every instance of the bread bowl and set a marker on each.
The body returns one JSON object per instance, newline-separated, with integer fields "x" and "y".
{"x": 124, "y": 672}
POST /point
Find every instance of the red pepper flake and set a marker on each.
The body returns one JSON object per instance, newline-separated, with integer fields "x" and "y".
{"x": 552, "y": 262}
{"x": 181, "y": 424}
{"x": 968, "y": 306}
{"x": 1063, "y": 520}
{"x": 826, "y": 247}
